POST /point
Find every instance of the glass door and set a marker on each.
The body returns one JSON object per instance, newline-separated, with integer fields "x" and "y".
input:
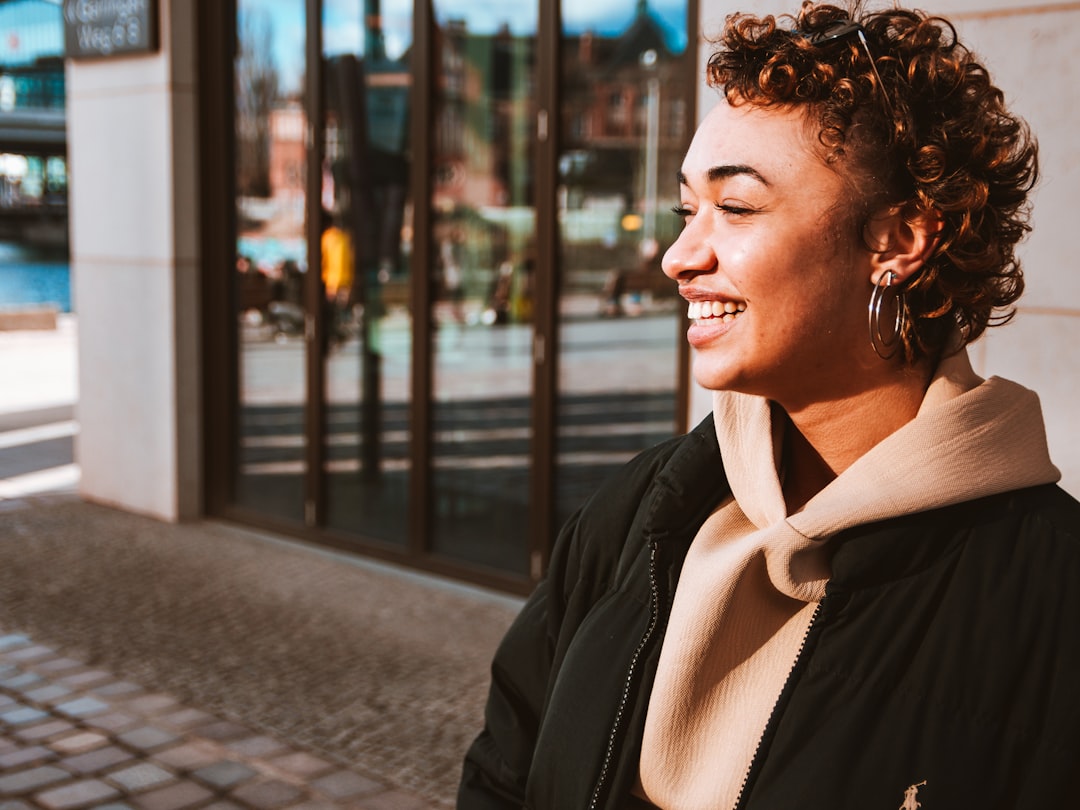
{"x": 366, "y": 248}
{"x": 270, "y": 128}
{"x": 483, "y": 220}
{"x": 438, "y": 318}
{"x": 626, "y": 95}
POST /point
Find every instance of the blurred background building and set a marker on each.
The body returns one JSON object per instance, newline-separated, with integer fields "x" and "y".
{"x": 384, "y": 274}
{"x": 33, "y": 157}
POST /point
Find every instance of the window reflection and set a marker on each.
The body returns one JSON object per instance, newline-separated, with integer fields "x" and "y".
{"x": 482, "y": 279}
{"x": 623, "y": 20}
{"x": 365, "y": 245}
{"x": 624, "y": 101}
{"x": 271, "y": 255}
{"x": 624, "y": 94}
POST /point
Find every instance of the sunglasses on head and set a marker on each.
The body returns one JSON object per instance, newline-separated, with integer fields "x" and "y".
{"x": 836, "y": 32}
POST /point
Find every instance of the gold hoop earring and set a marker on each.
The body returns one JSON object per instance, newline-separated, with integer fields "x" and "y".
{"x": 886, "y": 347}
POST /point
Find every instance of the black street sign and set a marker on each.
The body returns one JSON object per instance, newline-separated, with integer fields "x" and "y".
{"x": 94, "y": 29}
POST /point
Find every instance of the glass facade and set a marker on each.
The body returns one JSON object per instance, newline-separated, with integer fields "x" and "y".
{"x": 483, "y": 203}
{"x": 366, "y": 246}
{"x": 448, "y": 322}
{"x": 271, "y": 257}
{"x": 623, "y": 134}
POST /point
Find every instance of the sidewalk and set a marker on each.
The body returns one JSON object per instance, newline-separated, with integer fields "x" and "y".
{"x": 39, "y": 369}
{"x": 154, "y": 666}
{"x": 180, "y": 666}
{"x": 75, "y": 736}
{"x": 38, "y": 391}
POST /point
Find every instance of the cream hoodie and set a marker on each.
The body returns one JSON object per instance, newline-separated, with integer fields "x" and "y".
{"x": 754, "y": 574}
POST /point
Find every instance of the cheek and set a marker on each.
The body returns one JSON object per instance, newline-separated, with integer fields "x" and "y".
{"x": 802, "y": 283}
{"x": 755, "y": 267}
{"x": 805, "y": 308}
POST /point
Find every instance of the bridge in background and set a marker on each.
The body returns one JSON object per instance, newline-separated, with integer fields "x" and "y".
{"x": 34, "y": 133}
{"x": 37, "y": 132}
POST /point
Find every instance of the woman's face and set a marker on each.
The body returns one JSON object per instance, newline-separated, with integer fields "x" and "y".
{"x": 776, "y": 276}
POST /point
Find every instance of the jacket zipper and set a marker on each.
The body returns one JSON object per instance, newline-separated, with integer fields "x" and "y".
{"x": 654, "y": 620}
{"x": 740, "y": 802}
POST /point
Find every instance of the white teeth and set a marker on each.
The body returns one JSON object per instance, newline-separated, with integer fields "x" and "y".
{"x": 725, "y": 310}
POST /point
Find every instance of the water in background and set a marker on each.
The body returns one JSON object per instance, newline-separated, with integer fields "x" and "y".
{"x": 33, "y": 276}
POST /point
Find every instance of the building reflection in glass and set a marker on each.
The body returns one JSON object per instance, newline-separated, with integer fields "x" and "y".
{"x": 271, "y": 256}
{"x": 624, "y": 101}
{"x": 483, "y": 214}
{"x": 621, "y": 130}
{"x": 623, "y": 120}
{"x": 366, "y": 247}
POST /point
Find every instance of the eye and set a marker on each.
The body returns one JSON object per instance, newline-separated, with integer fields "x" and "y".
{"x": 681, "y": 211}
{"x": 735, "y": 209}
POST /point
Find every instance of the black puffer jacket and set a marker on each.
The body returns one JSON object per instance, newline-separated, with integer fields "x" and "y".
{"x": 942, "y": 667}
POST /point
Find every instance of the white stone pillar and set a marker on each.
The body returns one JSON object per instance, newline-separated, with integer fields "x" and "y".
{"x": 132, "y": 141}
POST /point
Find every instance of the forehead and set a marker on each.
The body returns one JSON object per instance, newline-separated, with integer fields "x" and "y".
{"x": 775, "y": 143}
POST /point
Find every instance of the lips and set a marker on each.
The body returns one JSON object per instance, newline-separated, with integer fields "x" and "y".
{"x": 726, "y": 311}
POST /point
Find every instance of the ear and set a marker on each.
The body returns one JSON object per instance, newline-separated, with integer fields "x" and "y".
{"x": 902, "y": 238}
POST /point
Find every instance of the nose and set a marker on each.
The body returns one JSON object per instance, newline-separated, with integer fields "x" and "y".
{"x": 688, "y": 256}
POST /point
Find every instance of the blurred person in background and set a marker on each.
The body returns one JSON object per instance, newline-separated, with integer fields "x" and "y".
{"x": 338, "y": 274}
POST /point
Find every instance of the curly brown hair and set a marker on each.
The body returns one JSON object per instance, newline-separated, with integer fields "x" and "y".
{"x": 932, "y": 136}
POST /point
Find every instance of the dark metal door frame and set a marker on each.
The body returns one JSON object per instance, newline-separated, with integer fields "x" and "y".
{"x": 216, "y": 51}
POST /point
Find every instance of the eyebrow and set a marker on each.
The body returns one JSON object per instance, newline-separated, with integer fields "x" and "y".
{"x": 717, "y": 173}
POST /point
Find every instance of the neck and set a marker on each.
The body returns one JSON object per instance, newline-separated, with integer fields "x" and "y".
{"x": 825, "y": 438}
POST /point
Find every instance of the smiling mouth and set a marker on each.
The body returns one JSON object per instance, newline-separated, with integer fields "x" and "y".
{"x": 708, "y": 310}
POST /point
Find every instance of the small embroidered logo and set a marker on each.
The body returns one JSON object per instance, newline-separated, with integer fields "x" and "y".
{"x": 911, "y": 802}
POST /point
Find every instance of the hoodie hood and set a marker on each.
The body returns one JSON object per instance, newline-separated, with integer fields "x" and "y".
{"x": 970, "y": 439}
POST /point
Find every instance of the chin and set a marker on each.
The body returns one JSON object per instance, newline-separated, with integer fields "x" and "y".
{"x": 711, "y": 378}
{"x": 717, "y": 377}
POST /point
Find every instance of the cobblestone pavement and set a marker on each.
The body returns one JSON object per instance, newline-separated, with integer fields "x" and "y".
{"x": 150, "y": 665}
{"x": 74, "y": 736}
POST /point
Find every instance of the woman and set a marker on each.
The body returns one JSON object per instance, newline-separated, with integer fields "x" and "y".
{"x": 852, "y": 585}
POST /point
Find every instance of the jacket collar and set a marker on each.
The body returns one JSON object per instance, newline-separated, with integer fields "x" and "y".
{"x": 688, "y": 487}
